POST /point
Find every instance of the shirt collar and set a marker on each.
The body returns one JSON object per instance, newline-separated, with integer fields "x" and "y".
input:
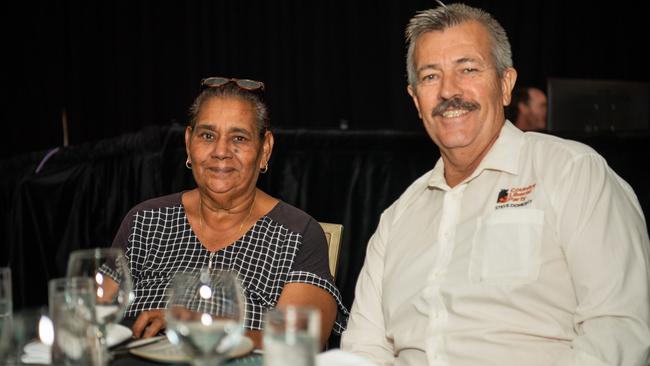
{"x": 503, "y": 156}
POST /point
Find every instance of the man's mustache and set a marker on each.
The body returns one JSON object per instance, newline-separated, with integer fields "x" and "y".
{"x": 454, "y": 103}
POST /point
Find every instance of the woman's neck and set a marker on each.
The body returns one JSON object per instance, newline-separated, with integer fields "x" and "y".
{"x": 219, "y": 226}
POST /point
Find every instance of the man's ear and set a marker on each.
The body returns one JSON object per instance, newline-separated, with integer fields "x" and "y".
{"x": 507, "y": 84}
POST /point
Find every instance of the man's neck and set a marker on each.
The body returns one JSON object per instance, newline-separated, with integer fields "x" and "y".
{"x": 456, "y": 171}
{"x": 461, "y": 163}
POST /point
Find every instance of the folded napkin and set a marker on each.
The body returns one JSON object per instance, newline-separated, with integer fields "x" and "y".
{"x": 338, "y": 357}
{"x": 36, "y": 352}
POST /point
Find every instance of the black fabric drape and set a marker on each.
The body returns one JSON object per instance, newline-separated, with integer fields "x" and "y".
{"x": 117, "y": 66}
{"x": 80, "y": 195}
{"x": 75, "y": 201}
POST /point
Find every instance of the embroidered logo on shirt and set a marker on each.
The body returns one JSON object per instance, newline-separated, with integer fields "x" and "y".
{"x": 514, "y": 197}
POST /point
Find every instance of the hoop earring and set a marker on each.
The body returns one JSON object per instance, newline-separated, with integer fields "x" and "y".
{"x": 265, "y": 169}
{"x": 188, "y": 163}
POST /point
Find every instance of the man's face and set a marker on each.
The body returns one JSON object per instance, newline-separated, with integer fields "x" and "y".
{"x": 459, "y": 96}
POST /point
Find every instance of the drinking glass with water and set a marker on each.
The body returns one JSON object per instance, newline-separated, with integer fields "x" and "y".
{"x": 113, "y": 289}
{"x": 291, "y": 336}
{"x": 205, "y": 314}
{"x": 6, "y": 310}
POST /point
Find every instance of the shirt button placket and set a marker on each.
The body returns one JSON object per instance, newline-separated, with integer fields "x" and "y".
{"x": 437, "y": 312}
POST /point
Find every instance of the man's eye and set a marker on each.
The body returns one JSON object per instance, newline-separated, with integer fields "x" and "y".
{"x": 469, "y": 70}
{"x": 429, "y": 78}
{"x": 239, "y": 138}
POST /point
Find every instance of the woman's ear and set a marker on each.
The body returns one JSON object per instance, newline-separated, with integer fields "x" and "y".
{"x": 188, "y": 135}
{"x": 267, "y": 148}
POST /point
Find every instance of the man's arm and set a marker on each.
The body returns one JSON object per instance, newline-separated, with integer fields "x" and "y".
{"x": 366, "y": 332}
{"x": 605, "y": 239}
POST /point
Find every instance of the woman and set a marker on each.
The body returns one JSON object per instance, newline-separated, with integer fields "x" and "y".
{"x": 279, "y": 251}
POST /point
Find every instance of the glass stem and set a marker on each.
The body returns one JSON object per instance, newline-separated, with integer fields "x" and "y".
{"x": 102, "y": 356}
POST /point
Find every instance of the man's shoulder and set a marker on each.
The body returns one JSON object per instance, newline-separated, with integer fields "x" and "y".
{"x": 542, "y": 140}
{"x": 554, "y": 148}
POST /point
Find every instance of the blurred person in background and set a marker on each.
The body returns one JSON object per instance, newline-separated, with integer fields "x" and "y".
{"x": 528, "y": 108}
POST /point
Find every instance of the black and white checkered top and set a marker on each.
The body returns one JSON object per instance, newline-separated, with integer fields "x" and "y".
{"x": 286, "y": 245}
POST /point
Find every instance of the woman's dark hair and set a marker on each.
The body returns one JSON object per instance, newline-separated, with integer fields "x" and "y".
{"x": 231, "y": 90}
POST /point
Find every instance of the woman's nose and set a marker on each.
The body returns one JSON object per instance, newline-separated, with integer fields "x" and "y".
{"x": 221, "y": 149}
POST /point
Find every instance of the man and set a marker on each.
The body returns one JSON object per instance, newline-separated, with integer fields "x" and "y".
{"x": 528, "y": 109}
{"x": 517, "y": 248}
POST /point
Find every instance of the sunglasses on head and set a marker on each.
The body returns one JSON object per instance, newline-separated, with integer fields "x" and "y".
{"x": 246, "y": 84}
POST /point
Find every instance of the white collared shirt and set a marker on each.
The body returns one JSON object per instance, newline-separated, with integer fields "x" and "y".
{"x": 540, "y": 257}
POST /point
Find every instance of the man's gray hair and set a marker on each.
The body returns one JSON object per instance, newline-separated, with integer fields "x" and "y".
{"x": 447, "y": 16}
{"x": 230, "y": 90}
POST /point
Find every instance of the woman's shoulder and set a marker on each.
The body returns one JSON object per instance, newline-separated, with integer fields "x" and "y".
{"x": 170, "y": 200}
{"x": 291, "y": 217}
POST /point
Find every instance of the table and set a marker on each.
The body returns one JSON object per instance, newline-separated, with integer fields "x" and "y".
{"x": 25, "y": 330}
{"x": 130, "y": 360}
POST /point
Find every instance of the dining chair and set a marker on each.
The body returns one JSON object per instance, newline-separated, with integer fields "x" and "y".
{"x": 333, "y": 234}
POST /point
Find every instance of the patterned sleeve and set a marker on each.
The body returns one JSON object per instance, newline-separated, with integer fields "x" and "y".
{"x": 313, "y": 254}
{"x": 312, "y": 266}
{"x": 121, "y": 239}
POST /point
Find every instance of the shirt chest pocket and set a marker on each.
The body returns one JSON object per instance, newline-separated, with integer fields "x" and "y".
{"x": 506, "y": 247}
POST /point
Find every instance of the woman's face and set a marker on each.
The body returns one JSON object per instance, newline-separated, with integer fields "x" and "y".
{"x": 225, "y": 148}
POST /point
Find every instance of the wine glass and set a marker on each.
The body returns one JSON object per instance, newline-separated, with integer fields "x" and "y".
{"x": 205, "y": 314}
{"x": 5, "y": 310}
{"x": 109, "y": 269}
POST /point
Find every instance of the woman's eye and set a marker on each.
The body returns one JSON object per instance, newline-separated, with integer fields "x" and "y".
{"x": 206, "y": 136}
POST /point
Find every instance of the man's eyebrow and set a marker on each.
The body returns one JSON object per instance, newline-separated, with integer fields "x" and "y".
{"x": 428, "y": 67}
{"x": 464, "y": 60}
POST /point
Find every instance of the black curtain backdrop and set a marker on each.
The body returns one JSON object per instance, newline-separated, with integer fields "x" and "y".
{"x": 79, "y": 195}
{"x": 113, "y": 67}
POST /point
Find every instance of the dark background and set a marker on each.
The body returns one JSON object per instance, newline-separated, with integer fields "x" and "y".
{"x": 116, "y": 66}
{"x": 124, "y": 73}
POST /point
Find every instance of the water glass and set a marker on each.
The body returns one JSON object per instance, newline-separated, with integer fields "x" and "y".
{"x": 25, "y": 330}
{"x": 5, "y": 292}
{"x": 72, "y": 310}
{"x": 205, "y": 314}
{"x": 291, "y": 336}
{"x": 108, "y": 267}
{"x": 5, "y": 310}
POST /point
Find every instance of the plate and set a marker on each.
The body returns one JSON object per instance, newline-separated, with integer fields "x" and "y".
{"x": 116, "y": 334}
{"x": 164, "y": 351}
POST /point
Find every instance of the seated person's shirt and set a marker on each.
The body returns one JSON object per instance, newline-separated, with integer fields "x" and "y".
{"x": 286, "y": 245}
